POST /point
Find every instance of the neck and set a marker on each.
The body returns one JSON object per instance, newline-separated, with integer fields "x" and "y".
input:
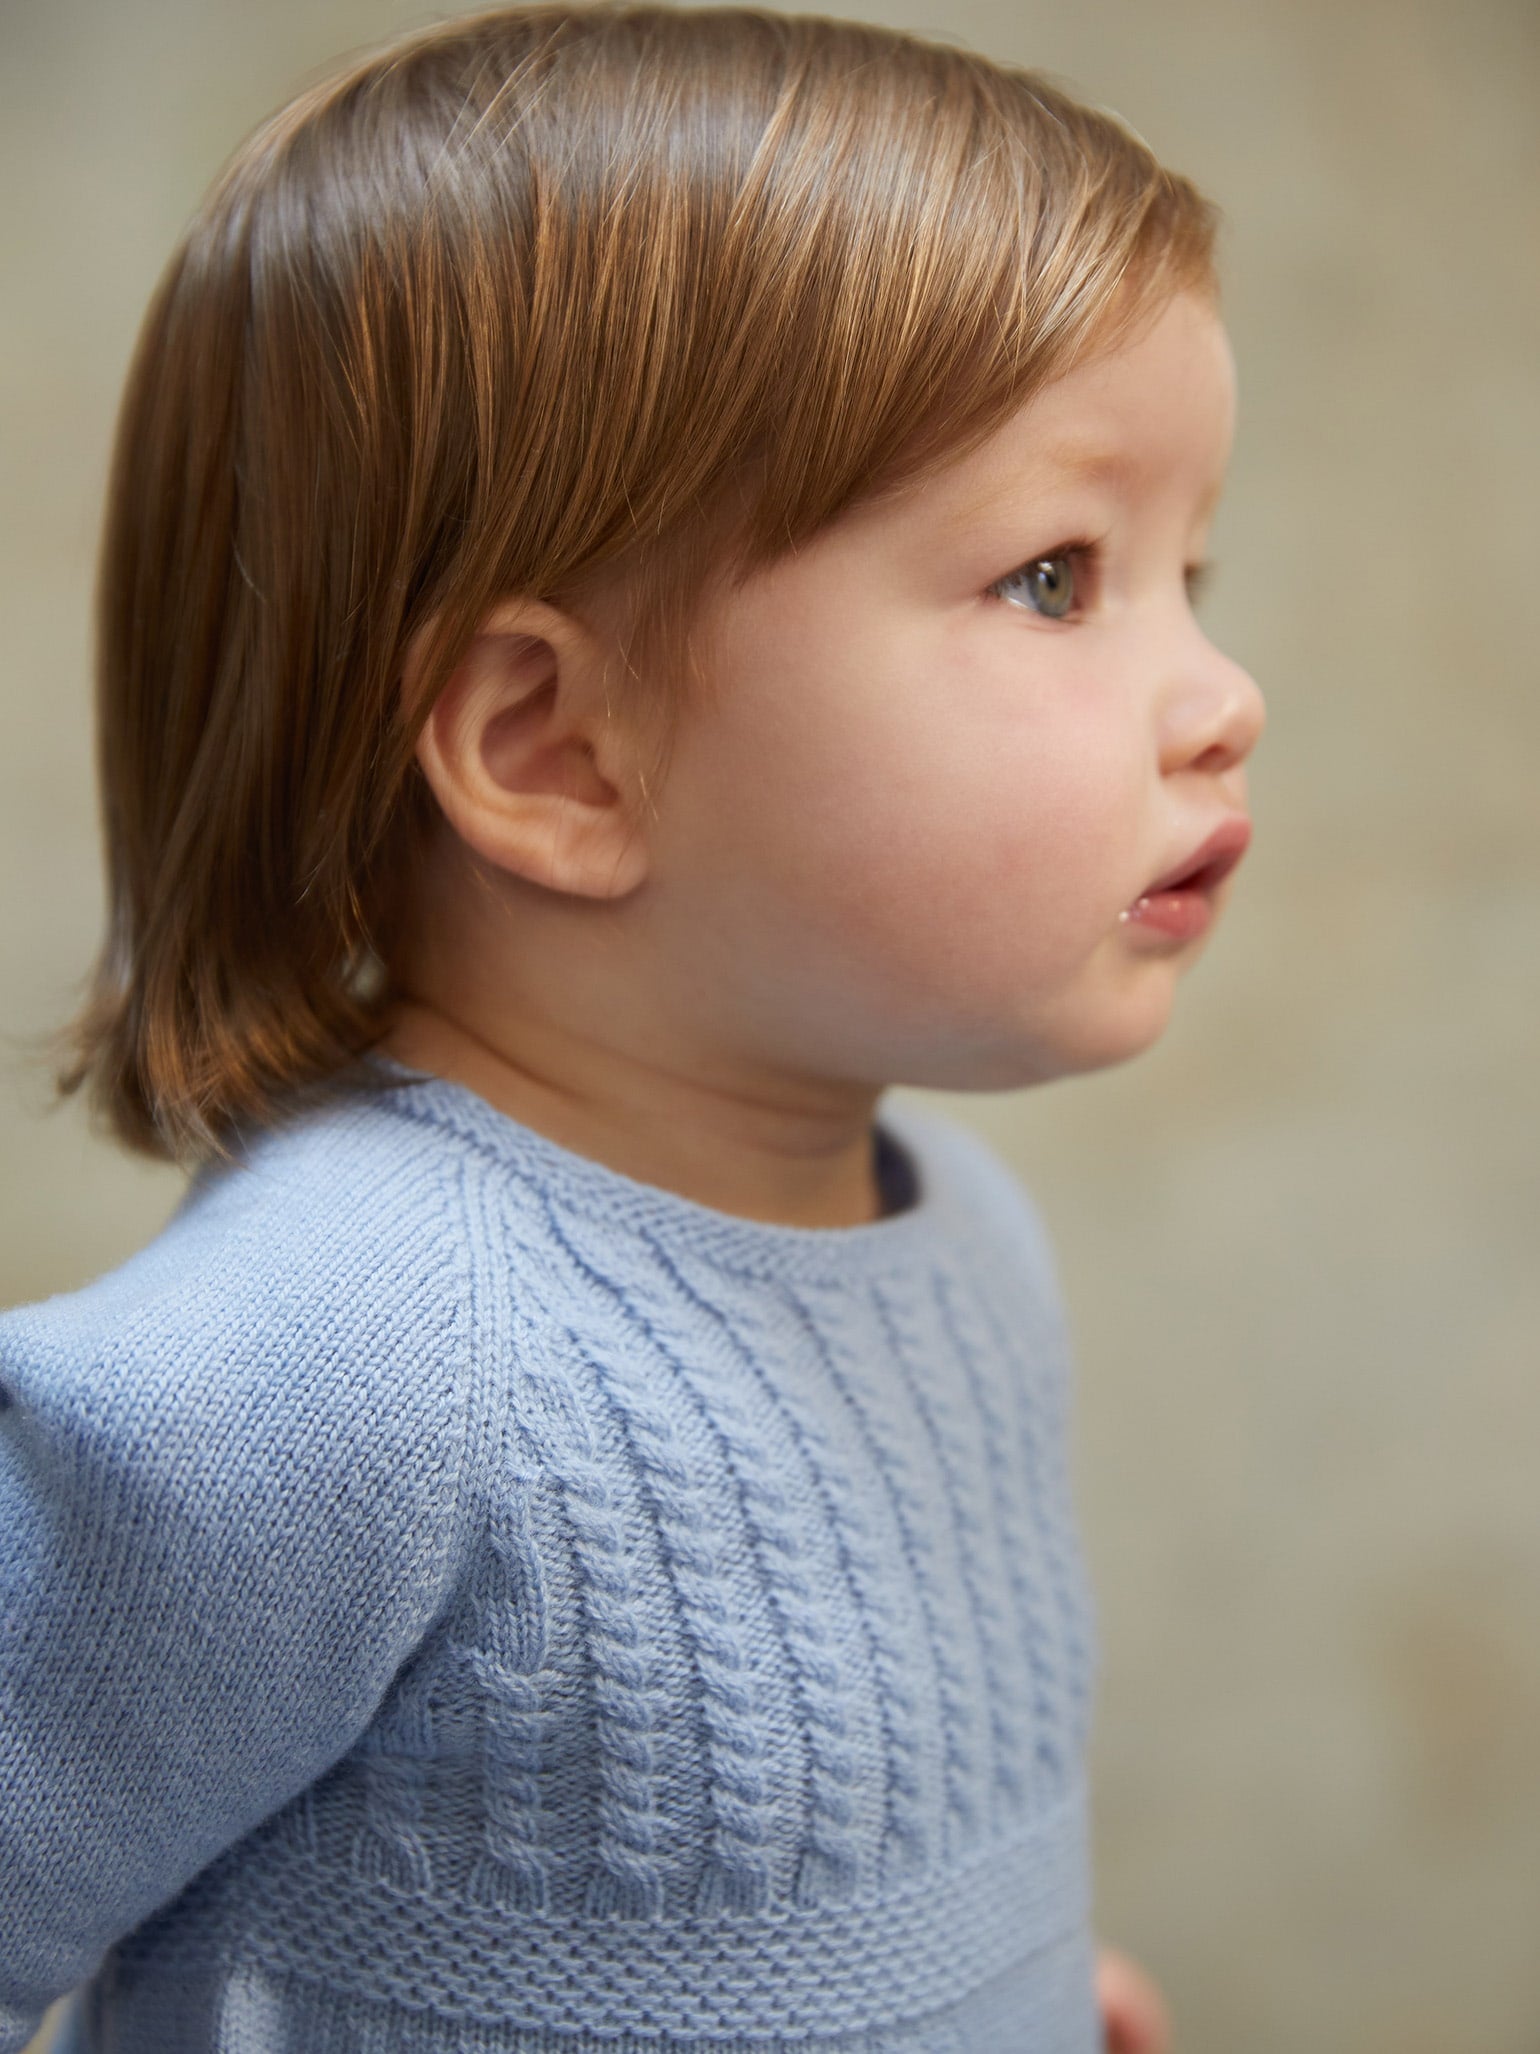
{"x": 732, "y": 1151}
{"x": 609, "y": 1027}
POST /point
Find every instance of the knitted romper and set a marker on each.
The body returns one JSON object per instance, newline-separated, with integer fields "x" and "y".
{"x": 454, "y": 1596}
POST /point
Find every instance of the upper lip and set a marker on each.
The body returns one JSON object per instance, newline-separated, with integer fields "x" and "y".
{"x": 1216, "y": 858}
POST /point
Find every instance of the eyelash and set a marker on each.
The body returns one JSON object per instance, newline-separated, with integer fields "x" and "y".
{"x": 1088, "y": 551}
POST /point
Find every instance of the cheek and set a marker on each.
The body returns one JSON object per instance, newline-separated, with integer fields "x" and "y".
{"x": 997, "y": 841}
{"x": 914, "y": 807}
{"x": 1036, "y": 800}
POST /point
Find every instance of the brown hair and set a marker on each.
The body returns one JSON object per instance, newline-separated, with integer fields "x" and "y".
{"x": 552, "y": 300}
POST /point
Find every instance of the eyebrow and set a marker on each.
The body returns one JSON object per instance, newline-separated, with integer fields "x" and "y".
{"x": 1114, "y": 465}
{"x": 1076, "y": 461}
{"x": 1081, "y": 462}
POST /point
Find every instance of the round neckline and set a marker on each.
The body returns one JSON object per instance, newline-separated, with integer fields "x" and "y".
{"x": 595, "y": 1190}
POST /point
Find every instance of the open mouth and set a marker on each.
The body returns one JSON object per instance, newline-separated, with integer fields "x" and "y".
{"x": 1180, "y": 905}
{"x": 1209, "y": 865}
{"x": 1203, "y": 877}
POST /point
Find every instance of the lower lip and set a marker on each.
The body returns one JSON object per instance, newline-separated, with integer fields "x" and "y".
{"x": 1183, "y": 914}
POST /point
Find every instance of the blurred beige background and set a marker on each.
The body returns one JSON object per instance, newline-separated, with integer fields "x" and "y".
{"x": 1299, "y": 1239}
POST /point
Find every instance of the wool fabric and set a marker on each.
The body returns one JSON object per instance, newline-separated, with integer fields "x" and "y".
{"x": 455, "y": 1596}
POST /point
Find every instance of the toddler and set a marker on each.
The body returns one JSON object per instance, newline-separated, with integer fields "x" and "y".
{"x": 645, "y": 598}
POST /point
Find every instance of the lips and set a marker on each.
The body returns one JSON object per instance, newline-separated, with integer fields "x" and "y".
{"x": 1179, "y": 905}
{"x": 1210, "y": 863}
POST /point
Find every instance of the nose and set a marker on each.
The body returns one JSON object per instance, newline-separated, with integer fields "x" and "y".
{"x": 1212, "y": 715}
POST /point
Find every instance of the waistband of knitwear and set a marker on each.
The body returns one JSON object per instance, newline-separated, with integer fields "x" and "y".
{"x": 824, "y": 1970}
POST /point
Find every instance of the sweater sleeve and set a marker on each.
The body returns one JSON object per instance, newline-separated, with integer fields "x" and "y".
{"x": 229, "y": 1473}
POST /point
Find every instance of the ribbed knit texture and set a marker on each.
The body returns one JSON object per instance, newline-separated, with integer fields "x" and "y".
{"x": 456, "y": 1597}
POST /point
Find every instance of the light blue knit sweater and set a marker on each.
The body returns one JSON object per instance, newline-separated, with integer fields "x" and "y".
{"x": 456, "y": 1597}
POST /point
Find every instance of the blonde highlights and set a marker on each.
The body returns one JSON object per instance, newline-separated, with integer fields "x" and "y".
{"x": 557, "y": 300}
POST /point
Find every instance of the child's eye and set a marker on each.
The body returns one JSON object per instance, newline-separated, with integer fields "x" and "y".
{"x": 1049, "y": 585}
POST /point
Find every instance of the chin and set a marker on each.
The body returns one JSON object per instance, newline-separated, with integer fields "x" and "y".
{"x": 1012, "y": 1065}
{"x": 1120, "y": 1040}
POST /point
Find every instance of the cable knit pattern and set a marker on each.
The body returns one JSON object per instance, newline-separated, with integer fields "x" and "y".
{"x": 457, "y": 1599}
{"x": 1017, "y": 1546}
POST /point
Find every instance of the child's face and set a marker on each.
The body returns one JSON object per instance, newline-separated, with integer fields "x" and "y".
{"x": 908, "y": 825}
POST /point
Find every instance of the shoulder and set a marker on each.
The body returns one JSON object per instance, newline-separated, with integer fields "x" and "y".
{"x": 293, "y": 1343}
{"x": 233, "y": 1480}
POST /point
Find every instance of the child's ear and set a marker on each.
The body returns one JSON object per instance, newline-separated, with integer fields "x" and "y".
{"x": 526, "y": 761}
